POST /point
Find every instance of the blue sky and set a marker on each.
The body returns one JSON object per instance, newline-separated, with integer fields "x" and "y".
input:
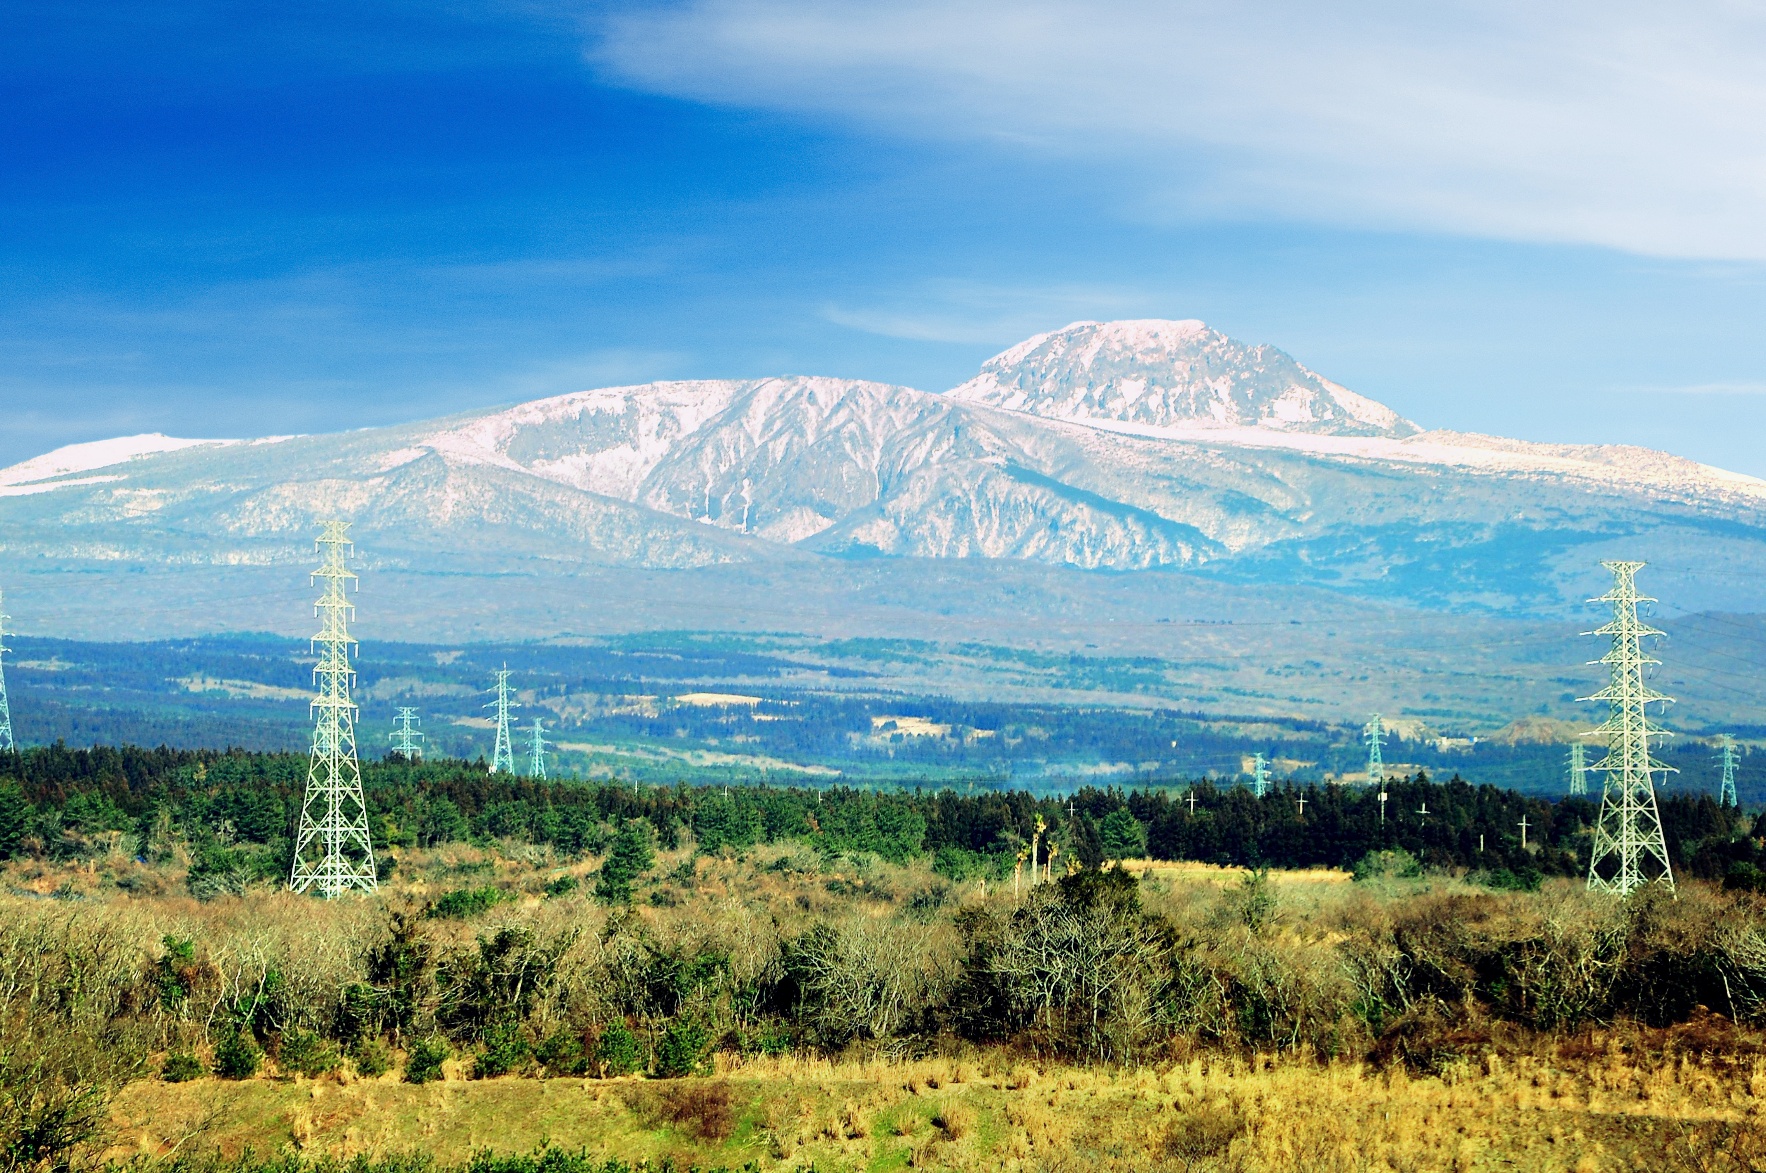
{"x": 244, "y": 219}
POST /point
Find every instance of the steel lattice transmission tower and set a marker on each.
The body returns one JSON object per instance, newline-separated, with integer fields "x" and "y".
{"x": 1629, "y": 849}
{"x": 536, "y": 751}
{"x": 1376, "y": 763}
{"x": 1727, "y": 797}
{"x": 6, "y": 742}
{"x": 503, "y": 755}
{"x": 406, "y": 737}
{"x": 1578, "y": 768}
{"x": 332, "y": 849}
{"x": 1260, "y": 776}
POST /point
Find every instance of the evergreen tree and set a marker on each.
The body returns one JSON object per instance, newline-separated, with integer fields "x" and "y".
{"x": 630, "y": 856}
{"x": 15, "y": 816}
{"x": 1121, "y": 836}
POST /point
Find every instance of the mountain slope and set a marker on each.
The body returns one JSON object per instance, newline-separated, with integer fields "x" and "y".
{"x": 1118, "y": 446}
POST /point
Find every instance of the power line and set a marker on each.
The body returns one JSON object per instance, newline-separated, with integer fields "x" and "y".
{"x": 332, "y": 849}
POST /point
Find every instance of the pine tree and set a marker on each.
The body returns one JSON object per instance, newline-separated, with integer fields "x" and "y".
{"x": 1122, "y": 836}
{"x": 15, "y": 817}
{"x": 630, "y": 856}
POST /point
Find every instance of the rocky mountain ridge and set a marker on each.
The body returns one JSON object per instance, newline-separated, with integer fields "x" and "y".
{"x": 1121, "y": 447}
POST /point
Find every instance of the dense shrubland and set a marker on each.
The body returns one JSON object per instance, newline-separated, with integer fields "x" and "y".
{"x": 598, "y": 931}
{"x": 734, "y": 957}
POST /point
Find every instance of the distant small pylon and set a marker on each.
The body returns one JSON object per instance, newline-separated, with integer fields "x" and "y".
{"x": 536, "y": 753}
{"x": 1578, "y": 768}
{"x": 6, "y": 743}
{"x": 1727, "y": 797}
{"x": 405, "y": 737}
{"x": 503, "y": 755}
{"x": 1376, "y": 741}
{"x": 1260, "y": 776}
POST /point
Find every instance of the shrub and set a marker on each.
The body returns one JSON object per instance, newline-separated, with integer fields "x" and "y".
{"x": 702, "y": 1109}
{"x": 465, "y": 902}
{"x": 180, "y": 1067}
{"x": 1379, "y": 865}
{"x": 237, "y": 1056}
{"x": 683, "y": 1048}
{"x": 1521, "y": 880}
{"x": 425, "y": 1061}
{"x": 773, "y": 1038}
{"x": 563, "y": 886}
{"x": 305, "y": 1052}
{"x": 562, "y": 1053}
{"x": 617, "y": 1052}
{"x": 504, "y": 1051}
{"x": 1744, "y": 877}
{"x": 371, "y": 1058}
{"x": 173, "y": 973}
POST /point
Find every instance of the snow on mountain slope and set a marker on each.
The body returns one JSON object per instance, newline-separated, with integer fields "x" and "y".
{"x": 1618, "y": 466}
{"x": 28, "y": 476}
{"x": 1170, "y": 373}
{"x": 1117, "y": 446}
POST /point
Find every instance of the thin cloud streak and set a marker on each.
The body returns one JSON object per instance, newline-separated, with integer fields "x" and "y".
{"x": 1631, "y": 126}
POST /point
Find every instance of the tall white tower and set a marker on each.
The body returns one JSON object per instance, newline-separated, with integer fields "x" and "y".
{"x": 6, "y": 742}
{"x": 332, "y": 849}
{"x": 1726, "y": 797}
{"x": 1629, "y": 849}
{"x": 536, "y": 755}
{"x": 503, "y": 754}
{"x": 1260, "y": 776}
{"x": 406, "y": 739}
{"x": 1578, "y": 768}
{"x": 1376, "y": 743}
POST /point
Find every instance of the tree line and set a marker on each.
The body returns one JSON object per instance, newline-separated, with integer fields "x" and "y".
{"x": 234, "y": 810}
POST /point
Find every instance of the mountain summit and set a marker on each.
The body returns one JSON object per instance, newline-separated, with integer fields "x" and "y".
{"x": 1119, "y": 446}
{"x": 1172, "y": 374}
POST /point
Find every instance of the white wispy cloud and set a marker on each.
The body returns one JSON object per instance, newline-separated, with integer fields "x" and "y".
{"x": 1723, "y": 388}
{"x": 1622, "y": 124}
{"x": 953, "y": 310}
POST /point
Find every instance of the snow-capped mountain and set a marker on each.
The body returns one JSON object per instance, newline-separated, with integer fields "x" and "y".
{"x": 1172, "y": 373}
{"x": 1120, "y": 446}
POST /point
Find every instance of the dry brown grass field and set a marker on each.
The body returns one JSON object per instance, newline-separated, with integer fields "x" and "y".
{"x": 1270, "y": 1054}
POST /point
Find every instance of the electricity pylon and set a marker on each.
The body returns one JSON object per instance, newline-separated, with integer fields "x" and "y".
{"x": 1260, "y": 776}
{"x": 6, "y": 744}
{"x": 405, "y": 737}
{"x": 1727, "y": 797}
{"x": 332, "y": 849}
{"x": 1578, "y": 768}
{"x": 536, "y": 752}
{"x": 503, "y": 756}
{"x": 1629, "y": 849}
{"x": 1376, "y": 742}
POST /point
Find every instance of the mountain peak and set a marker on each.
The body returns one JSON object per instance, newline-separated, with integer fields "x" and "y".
{"x": 1172, "y": 373}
